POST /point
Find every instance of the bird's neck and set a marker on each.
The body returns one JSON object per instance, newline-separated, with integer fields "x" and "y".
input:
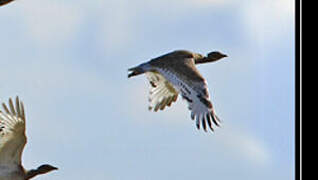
{"x": 205, "y": 60}
{"x": 34, "y": 172}
{"x": 31, "y": 173}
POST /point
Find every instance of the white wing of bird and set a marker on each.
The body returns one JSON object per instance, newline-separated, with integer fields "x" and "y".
{"x": 162, "y": 93}
{"x": 195, "y": 92}
{"x": 12, "y": 133}
{"x": 12, "y": 142}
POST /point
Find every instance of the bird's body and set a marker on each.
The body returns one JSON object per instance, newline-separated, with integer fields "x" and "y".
{"x": 12, "y": 142}
{"x": 175, "y": 73}
{"x": 12, "y": 172}
{"x": 4, "y": 2}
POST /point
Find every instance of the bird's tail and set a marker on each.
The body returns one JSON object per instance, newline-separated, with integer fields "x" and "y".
{"x": 135, "y": 71}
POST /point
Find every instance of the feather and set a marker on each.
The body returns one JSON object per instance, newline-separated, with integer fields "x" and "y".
{"x": 12, "y": 138}
{"x": 161, "y": 93}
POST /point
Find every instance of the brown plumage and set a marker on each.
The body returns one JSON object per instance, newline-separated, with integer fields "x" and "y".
{"x": 175, "y": 73}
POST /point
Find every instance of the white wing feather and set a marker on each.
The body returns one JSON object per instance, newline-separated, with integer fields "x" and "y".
{"x": 162, "y": 93}
{"x": 197, "y": 96}
{"x": 12, "y": 133}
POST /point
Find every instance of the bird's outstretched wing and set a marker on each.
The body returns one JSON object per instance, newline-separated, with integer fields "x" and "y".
{"x": 12, "y": 132}
{"x": 186, "y": 79}
{"x": 162, "y": 93}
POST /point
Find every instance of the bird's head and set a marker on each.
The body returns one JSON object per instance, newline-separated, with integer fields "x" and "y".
{"x": 215, "y": 55}
{"x": 211, "y": 57}
{"x": 46, "y": 168}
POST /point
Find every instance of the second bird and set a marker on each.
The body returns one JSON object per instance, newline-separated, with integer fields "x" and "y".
{"x": 175, "y": 73}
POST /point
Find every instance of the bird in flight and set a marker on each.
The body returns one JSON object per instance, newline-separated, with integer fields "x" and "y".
{"x": 175, "y": 73}
{"x": 12, "y": 142}
{"x": 4, "y": 2}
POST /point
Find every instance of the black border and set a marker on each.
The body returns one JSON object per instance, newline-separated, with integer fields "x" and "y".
{"x": 298, "y": 76}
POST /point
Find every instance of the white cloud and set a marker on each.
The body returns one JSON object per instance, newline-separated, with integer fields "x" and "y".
{"x": 211, "y": 2}
{"x": 236, "y": 139}
{"x": 116, "y": 25}
{"x": 268, "y": 20}
{"x": 49, "y": 22}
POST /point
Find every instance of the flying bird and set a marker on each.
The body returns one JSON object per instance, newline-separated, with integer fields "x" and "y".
{"x": 4, "y": 2}
{"x": 12, "y": 142}
{"x": 175, "y": 73}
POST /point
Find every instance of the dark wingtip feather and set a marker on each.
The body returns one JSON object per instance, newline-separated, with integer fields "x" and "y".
{"x": 215, "y": 119}
{"x": 131, "y": 74}
{"x": 135, "y": 71}
{"x": 204, "y": 124}
{"x": 218, "y": 119}
{"x": 208, "y": 118}
{"x": 198, "y": 122}
{"x": 192, "y": 116}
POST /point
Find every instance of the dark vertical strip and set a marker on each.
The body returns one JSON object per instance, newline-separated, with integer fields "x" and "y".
{"x": 298, "y": 88}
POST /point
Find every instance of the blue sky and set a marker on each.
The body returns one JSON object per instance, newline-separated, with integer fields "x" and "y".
{"x": 68, "y": 62}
